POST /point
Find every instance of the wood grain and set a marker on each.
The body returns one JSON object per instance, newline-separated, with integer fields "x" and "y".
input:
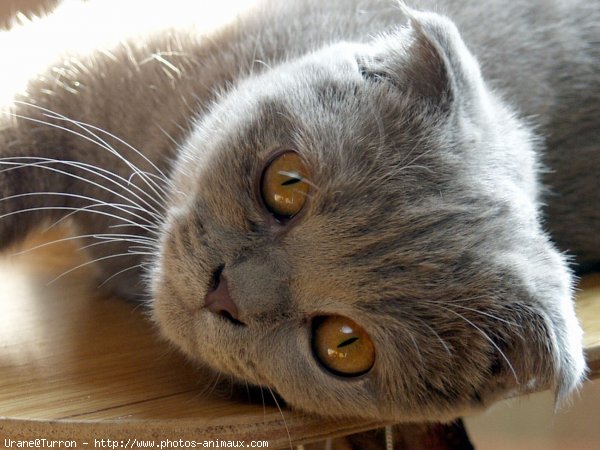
{"x": 588, "y": 311}
{"x": 75, "y": 364}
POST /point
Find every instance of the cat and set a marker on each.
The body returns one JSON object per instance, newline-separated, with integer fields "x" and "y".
{"x": 372, "y": 209}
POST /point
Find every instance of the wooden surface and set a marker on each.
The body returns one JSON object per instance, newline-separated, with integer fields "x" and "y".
{"x": 588, "y": 310}
{"x": 77, "y": 365}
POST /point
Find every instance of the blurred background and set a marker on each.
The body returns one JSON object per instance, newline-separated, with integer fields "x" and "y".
{"x": 8, "y": 8}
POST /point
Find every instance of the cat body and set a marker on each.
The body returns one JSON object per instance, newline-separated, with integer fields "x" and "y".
{"x": 431, "y": 142}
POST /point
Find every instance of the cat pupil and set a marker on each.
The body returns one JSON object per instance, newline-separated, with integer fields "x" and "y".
{"x": 291, "y": 181}
{"x": 347, "y": 342}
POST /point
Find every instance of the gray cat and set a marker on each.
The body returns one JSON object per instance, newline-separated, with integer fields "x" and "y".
{"x": 369, "y": 209}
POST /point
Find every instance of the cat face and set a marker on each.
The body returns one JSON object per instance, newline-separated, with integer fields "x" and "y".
{"x": 408, "y": 277}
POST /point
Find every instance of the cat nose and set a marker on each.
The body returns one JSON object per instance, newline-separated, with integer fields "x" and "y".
{"x": 219, "y": 301}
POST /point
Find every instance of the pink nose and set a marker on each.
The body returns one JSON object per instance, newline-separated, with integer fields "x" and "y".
{"x": 219, "y": 301}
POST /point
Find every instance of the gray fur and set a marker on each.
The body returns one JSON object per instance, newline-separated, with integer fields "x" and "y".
{"x": 433, "y": 140}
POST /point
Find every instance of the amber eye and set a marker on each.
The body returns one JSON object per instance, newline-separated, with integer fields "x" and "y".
{"x": 342, "y": 346}
{"x": 283, "y": 186}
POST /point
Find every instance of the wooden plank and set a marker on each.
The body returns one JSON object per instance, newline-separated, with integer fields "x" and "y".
{"x": 78, "y": 365}
{"x": 588, "y": 311}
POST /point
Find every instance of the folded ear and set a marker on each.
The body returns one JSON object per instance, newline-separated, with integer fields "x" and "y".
{"x": 427, "y": 58}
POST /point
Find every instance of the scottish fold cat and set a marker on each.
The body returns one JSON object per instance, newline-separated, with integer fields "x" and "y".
{"x": 372, "y": 209}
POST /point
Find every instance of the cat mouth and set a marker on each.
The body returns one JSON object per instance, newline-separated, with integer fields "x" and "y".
{"x": 227, "y": 317}
{"x": 218, "y": 299}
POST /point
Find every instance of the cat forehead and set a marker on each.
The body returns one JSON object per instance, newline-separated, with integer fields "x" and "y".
{"x": 292, "y": 84}
{"x": 317, "y": 99}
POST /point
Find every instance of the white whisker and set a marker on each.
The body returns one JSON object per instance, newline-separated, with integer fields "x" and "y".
{"x": 119, "y": 206}
{"x": 476, "y": 311}
{"x": 483, "y": 313}
{"x": 93, "y": 261}
{"x": 98, "y": 171}
{"x": 414, "y": 341}
{"x": 123, "y": 225}
{"x": 80, "y": 236}
{"x": 262, "y": 397}
{"x": 444, "y": 344}
{"x": 489, "y": 339}
{"x": 68, "y": 208}
{"x": 96, "y": 205}
{"x": 282, "y": 417}
{"x": 85, "y": 126}
{"x": 136, "y": 266}
{"x": 113, "y": 241}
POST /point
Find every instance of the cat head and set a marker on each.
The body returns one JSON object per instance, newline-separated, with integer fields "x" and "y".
{"x": 357, "y": 229}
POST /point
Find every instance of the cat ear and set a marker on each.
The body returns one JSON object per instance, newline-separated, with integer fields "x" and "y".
{"x": 427, "y": 58}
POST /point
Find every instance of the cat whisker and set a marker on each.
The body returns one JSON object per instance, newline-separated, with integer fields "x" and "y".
{"x": 95, "y": 260}
{"x": 169, "y": 137}
{"x": 136, "y": 266}
{"x": 208, "y": 387}
{"x": 145, "y": 176}
{"x": 282, "y": 417}
{"x": 170, "y": 69}
{"x": 159, "y": 173}
{"x": 157, "y": 216}
{"x": 44, "y": 163}
{"x": 85, "y": 126}
{"x": 444, "y": 344}
{"x": 82, "y": 136}
{"x": 262, "y": 397}
{"x": 247, "y": 390}
{"x": 492, "y": 316}
{"x": 72, "y": 238}
{"x": 97, "y": 141}
{"x": 415, "y": 166}
{"x": 489, "y": 339}
{"x": 118, "y": 240}
{"x": 414, "y": 341}
{"x": 476, "y": 311}
{"x": 118, "y": 206}
{"x": 231, "y": 386}
{"x": 140, "y": 246}
{"x": 258, "y": 39}
{"x": 262, "y": 63}
{"x": 69, "y": 208}
{"x": 154, "y": 230}
{"x": 95, "y": 205}
{"x": 132, "y": 237}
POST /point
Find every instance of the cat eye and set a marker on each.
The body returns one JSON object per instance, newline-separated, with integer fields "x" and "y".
{"x": 283, "y": 186}
{"x": 342, "y": 346}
